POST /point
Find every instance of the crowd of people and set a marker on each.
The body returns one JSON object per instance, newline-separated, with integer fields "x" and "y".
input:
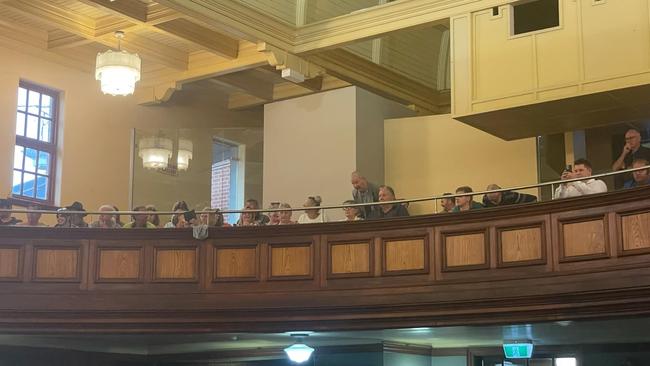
{"x": 633, "y": 155}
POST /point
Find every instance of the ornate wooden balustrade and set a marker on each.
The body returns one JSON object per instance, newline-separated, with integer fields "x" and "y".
{"x": 569, "y": 259}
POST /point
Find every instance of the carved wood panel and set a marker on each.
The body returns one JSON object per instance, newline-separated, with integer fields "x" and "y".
{"x": 636, "y": 231}
{"x": 521, "y": 246}
{"x": 236, "y": 263}
{"x": 56, "y": 264}
{"x": 405, "y": 256}
{"x": 290, "y": 261}
{"x": 175, "y": 264}
{"x": 121, "y": 264}
{"x": 350, "y": 259}
{"x": 465, "y": 251}
{"x": 585, "y": 239}
{"x": 9, "y": 263}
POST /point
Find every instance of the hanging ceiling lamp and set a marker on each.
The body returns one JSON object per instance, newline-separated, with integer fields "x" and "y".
{"x": 155, "y": 152}
{"x": 118, "y": 71}
{"x": 185, "y": 148}
{"x": 299, "y": 352}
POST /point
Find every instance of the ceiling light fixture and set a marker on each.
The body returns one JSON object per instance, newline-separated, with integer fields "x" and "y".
{"x": 118, "y": 71}
{"x": 155, "y": 152}
{"x": 299, "y": 352}
{"x": 185, "y": 149}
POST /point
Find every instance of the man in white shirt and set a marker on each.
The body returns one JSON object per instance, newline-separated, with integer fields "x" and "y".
{"x": 581, "y": 169}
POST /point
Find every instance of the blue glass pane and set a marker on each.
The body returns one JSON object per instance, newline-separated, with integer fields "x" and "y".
{"x": 41, "y": 187}
{"x": 43, "y": 163}
{"x": 19, "y": 151}
{"x": 30, "y": 160}
{"x": 22, "y": 99}
{"x": 15, "y": 188}
{"x": 20, "y": 124}
{"x": 45, "y": 132}
{"x": 33, "y": 102}
{"x": 28, "y": 184}
{"x": 46, "y": 106}
{"x": 32, "y": 127}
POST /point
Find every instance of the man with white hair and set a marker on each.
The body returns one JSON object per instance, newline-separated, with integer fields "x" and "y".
{"x": 632, "y": 150}
{"x": 106, "y": 221}
{"x": 364, "y": 192}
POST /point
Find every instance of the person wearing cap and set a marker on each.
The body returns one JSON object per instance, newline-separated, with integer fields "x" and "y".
{"x": 5, "y": 217}
{"x": 140, "y": 221}
{"x": 33, "y": 218}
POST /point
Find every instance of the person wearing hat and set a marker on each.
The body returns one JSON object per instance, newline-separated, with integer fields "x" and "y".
{"x": 5, "y": 216}
{"x": 65, "y": 219}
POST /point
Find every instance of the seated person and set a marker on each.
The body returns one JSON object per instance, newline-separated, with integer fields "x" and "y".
{"x": 153, "y": 217}
{"x": 505, "y": 198}
{"x": 76, "y": 219}
{"x": 257, "y": 218}
{"x": 33, "y": 218}
{"x": 117, "y": 217}
{"x": 639, "y": 177}
{"x": 140, "y": 221}
{"x": 447, "y": 204}
{"x": 313, "y": 215}
{"x": 465, "y": 203}
{"x": 5, "y": 217}
{"x": 177, "y": 220}
{"x": 274, "y": 216}
{"x": 62, "y": 218}
{"x": 285, "y": 216}
{"x": 386, "y": 193}
{"x": 581, "y": 169}
{"x": 106, "y": 221}
{"x": 352, "y": 213}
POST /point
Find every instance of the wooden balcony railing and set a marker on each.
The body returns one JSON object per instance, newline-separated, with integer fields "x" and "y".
{"x": 576, "y": 258}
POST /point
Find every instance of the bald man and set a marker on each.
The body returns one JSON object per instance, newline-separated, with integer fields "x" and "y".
{"x": 632, "y": 150}
{"x": 364, "y": 192}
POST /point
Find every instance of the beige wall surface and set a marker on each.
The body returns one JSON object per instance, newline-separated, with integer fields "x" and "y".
{"x": 310, "y": 148}
{"x": 95, "y": 135}
{"x": 436, "y": 154}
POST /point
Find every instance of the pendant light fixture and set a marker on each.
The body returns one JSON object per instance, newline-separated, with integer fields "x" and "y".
{"x": 299, "y": 352}
{"x": 118, "y": 71}
{"x": 185, "y": 149}
{"x": 155, "y": 152}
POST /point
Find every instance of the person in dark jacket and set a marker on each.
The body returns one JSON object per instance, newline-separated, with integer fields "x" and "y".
{"x": 505, "y": 198}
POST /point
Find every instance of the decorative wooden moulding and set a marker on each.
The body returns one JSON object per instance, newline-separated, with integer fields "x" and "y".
{"x": 176, "y": 264}
{"x": 350, "y": 258}
{"x": 463, "y": 251}
{"x": 119, "y": 264}
{"x": 634, "y": 229}
{"x": 405, "y": 256}
{"x": 291, "y": 261}
{"x": 583, "y": 238}
{"x": 11, "y": 263}
{"x": 236, "y": 263}
{"x": 521, "y": 245}
{"x": 57, "y": 263}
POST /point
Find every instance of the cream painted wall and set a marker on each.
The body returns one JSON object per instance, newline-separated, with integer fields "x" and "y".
{"x": 436, "y": 154}
{"x": 94, "y": 160}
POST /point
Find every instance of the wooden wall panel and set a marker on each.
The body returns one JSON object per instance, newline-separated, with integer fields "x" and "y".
{"x": 465, "y": 251}
{"x": 521, "y": 246}
{"x": 56, "y": 263}
{"x": 9, "y": 263}
{"x": 405, "y": 256}
{"x": 586, "y": 239}
{"x": 350, "y": 258}
{"x": 119, "y": 264}
{"x": 175, "y": 264}
{"x": 291, "y": 261}
{"x": 236, "y": 263}
{"x": 636, "y": 231}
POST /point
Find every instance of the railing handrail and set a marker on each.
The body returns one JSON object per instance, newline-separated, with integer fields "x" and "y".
{"x": 329, "y": 207}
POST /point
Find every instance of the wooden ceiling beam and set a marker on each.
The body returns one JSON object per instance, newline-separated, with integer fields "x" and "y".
{"x": 58, "y": 39}
{"x": 201, "y": 36}
{"x": 86, "y": 27}
{"x": 249, "y": 84}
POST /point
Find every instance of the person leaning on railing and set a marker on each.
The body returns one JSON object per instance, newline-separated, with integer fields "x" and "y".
{"x": 639, "y": 177}
{"x": 632, "y": 150}
{"x": 364, "y": 192}
{"x": 465, "y": 203}
{"x": 581, "y": 169}
{"x": 495, "y": 199}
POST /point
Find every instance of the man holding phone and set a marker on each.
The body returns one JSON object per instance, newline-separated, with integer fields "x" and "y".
{"x": 581, "y": 169}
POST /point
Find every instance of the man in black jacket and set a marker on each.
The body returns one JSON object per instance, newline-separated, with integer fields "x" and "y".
{"x": 505, "y": 198}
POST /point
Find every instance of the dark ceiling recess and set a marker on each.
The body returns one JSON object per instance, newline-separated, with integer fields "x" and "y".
{"x": 535, "y": 15}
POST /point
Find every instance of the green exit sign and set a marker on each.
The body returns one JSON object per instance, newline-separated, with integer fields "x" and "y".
{"x": 518, "y": 350}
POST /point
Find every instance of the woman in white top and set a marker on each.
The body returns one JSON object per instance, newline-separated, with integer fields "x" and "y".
{"x": 312, "y": 216}
{"x": 351, "y": 213}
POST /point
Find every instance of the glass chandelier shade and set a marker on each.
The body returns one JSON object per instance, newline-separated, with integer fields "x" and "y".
{"x": 118, "y": 71}
{"x": 185, "y": 148}
{"x": 155, "y": 152}
{"x": 299, "y": 352}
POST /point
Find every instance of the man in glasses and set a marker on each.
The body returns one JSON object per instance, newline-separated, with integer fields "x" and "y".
{"x": 632, "y": 150}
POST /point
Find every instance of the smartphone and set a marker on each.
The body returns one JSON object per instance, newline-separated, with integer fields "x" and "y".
{"x": 568, "y": 168}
